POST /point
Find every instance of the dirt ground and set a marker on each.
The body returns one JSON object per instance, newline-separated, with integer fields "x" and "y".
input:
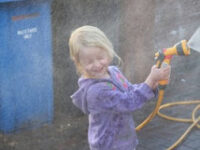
{"x": 65, "y": 133}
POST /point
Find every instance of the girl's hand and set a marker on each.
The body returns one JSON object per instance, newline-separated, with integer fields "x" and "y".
{"x": 158, "y": 74}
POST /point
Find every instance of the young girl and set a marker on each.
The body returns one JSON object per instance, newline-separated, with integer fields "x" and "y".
{"x": 105, "y": 94}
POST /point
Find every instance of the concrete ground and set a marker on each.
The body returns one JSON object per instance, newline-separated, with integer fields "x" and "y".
{"x": 160, "y": 134}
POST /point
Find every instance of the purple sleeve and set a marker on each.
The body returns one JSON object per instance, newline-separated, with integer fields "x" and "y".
{"x": 154, "y": 92}
{"x": 133, "y": 85}
{"x": 103, "y": 98}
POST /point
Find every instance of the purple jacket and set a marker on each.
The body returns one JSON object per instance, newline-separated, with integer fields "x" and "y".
{"x": 109, "y": 104}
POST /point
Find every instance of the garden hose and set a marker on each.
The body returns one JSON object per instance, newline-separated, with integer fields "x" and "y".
{"x": 194, "y": 120}
{"x": 164, "y": 57}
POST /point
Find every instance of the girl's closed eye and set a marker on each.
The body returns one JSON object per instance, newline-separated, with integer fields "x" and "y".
{"x": 89, "y": 62}
{"x": 100, "y": 58}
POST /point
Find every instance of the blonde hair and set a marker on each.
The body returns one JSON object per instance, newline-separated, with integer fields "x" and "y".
{"x": 89, "y": 36}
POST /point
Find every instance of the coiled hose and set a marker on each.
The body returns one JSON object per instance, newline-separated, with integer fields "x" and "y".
{"x": 194, "y": 119}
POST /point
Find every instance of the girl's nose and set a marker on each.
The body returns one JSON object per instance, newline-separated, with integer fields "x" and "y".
{"x": 97, "y": 64}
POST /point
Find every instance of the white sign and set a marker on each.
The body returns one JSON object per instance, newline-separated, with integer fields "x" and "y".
{"x": 27, "y": 33}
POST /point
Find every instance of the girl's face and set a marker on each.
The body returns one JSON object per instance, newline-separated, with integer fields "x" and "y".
{"x": 94, "y": 62}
